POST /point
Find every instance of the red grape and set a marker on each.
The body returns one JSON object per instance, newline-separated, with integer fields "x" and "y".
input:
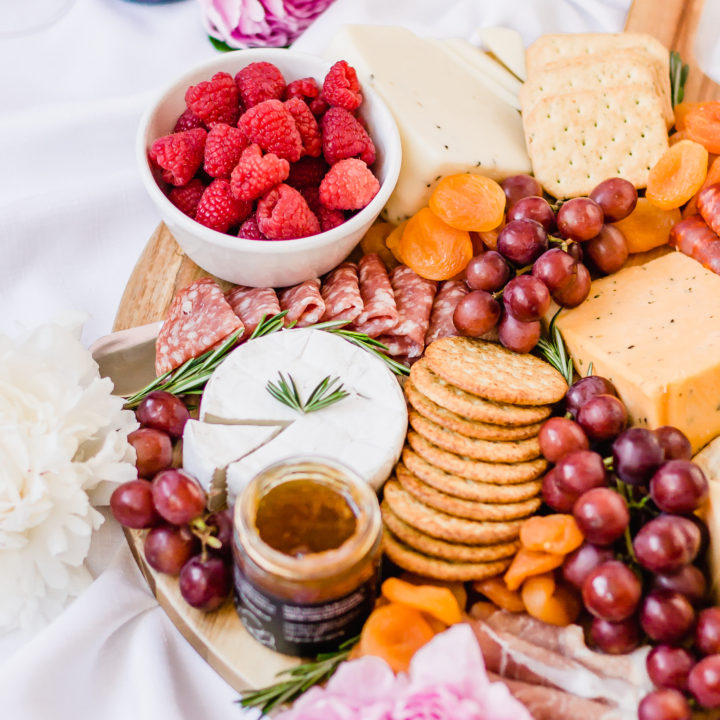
{"x": 526, "y": 298}
{"x": 522, "y": 241}
{"x": 666, "y": 616}
{"x": 168, "y": 548}
{"x": 517, "y": 187}
{"x": 556, "y": 268}
{"x": 560, "y": 436}
{"x": 603, "y": 417}
{"x": 665, "y": 704}
{"x": 533, "y": 208}
{"x": 575, "y": 292}
{"x": 679, "y": 486}
{"x": 674, "y": 442}
{"x": 669, "y": 666}
{"x": 707, "y": 632}
{"x": 132, "y": 505}
{"x": 611, "y": 591}
{"x": 704, "y": 681}
{"x": 554, "y": 497}
{"x": 520, "y": 337}
{"x": 581, "y": 562}
{"x": 163, "y": 411}
{"x": 223, "y": 523}
{"x": 178, "y": 497}
{"x": 602, "y": 515}
{"x": 476, "y": 313}
{"x": 616, "y": 638}
{"x": 580, "y": 471}
{"x": 580, "y": 219}
{"x": 608, "y": 250}
{"x": 153, "y": 450}
{"x": 617, "y": 198}
{"x": 666, "y": 543}
{"x": 489, "y": 272}
{"x": 205, "y": 582}
{"x": 575, "y": 251}
{"x": 688, "y": 581}
{"x": 637, "y": 454}
{"x": 585, "y": 388}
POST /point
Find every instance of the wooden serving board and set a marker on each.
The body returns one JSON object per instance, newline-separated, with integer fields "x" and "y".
{"x": 163, "y": 269}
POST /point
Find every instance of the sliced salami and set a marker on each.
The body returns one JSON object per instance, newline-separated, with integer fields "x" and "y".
{"x": 303, "y": 302}
{"x": 414, "y": 299}
{"x": 379, "y": 313}
{"x": 251, "y": 304}
{"x": 198, "y": 319}
{"x": 451, "y": 292}
{"x": 341, "y": 293}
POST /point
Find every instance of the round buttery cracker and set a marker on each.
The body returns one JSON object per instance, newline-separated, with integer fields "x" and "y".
{"x": 446, "y": 527}
{"x": 471, "y": 428}
{"x": 408, "y": 559}
{"x": 459, "y": 552}
{"x": 509, "y": 451}
{"x": 486, "y": 472}
{"x": 471, "y": 406}
{"x": 494, "y": 372}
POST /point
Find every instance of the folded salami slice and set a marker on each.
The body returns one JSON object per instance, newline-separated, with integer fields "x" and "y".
{"x": 199, "y": 318}
{"x": 303, "y": 303}
{"x": 379, "y": 313}
{"x": 341, "y": 293}
{"x": 250, "y": 304}
{"x": 451, "y": 292}
{"x": 414, "y": 298}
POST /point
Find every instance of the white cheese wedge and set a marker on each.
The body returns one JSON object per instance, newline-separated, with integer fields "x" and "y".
{"x": 209, "y": 448}
{"x": 449, "y": 122}
{"x": 507, "y": 46}
{"x": 365, "y": 430}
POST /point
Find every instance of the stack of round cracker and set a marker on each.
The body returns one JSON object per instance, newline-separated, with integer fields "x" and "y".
{"x": 470, "y": 469}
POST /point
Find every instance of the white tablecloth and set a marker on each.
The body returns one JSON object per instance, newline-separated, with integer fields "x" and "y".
{"x": 73, "y": 221}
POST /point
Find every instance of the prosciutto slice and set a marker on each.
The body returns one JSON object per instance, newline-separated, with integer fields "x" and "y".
{"x": 303, "y": 302}
{"x": 379, "y": 313}
{"x": 251, "y": 304}
{"x": 341, "y": 293}
{"x": 414, "y": 298}
{"x": 441, "y": 318}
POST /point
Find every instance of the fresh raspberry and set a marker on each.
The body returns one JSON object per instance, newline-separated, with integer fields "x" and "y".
{"x": 341, "y": 87}
{"x": 348, "y": 185}
{"x": 179, "y": 155}
{"x": 256, "y": 173}
{"x": 307, "y": 171}
{"x": 283, "y": 214}
{"x": 304, "y": 88}
{"x": 272, "y": 127}
{"x": 328, "y": 218}
{"x": 307, "y": 126}
{"x": 259, "y": 81}
{"x": 312, "y": 197}
{"x": 186, "y": 198}
{"x": 344, "y": 137}
{"x": 215, "y": 100}
{"x": 250, "y": 230}
{"x": 218, "y": 209}
{"x": 187, "y": 121}
{"x": 318, "y": 107}
{"x": 223, "y": 148}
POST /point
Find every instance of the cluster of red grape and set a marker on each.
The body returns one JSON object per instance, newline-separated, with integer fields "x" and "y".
{"x": 183, "y": 539}
{"x": 526, "y": 271}
{"x": 636, "y": 570}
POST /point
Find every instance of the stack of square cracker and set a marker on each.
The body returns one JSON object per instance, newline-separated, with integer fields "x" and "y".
{"x": 595, "y": 106}
{"x": 470, "y": 469}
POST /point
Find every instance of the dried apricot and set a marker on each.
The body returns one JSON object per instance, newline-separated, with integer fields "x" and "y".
{"x": 432, "y": 248}
{"x": 392, "y": 241}
{"x": 488, "y": 239}
{"x": 557, "y": 533}
{"x": 456, "y": 588}
{"x": 702, "y": 124}
{"x": 647, "y": 226}
{"x": 482, "y": 610}
{"x": 469, "y": 202}
{"x": 439, "y": 602}
{"x": 496, "y": 590}
{"x": 395, "y": 633}
{"x": 681, "y": 111}
{"x": 530, "y": 562}
{"x": 375, "y": 241}
{"x": 677, "y": 175}
{"x": 549, "y": 602}
{"x": 677, "y": 137}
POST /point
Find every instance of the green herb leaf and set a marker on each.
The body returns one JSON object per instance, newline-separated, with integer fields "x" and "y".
{"x": 678, "y": 77}
{"x": 552, "y": 348}
{"x": 220, "y": 45}
{"x": 325, "y": 393}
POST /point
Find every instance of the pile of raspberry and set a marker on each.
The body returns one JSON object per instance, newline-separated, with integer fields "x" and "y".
{"x": 255, "y": 157}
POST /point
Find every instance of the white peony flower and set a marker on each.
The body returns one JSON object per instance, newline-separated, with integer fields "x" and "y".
{"x": 63, "y": 441}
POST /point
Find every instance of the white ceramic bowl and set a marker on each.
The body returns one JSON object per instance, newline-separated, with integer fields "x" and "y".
{"x": 268, "y": 263}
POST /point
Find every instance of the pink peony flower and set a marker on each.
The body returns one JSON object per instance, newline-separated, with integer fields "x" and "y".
{"x": 259, "y": 23}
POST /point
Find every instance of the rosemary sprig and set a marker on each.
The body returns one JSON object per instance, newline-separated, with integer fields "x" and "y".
{"x": 325, "y": 393}
{"x": 678, "y": 77}
{"x": 299, "y": 679}
{"x": 552, "y": 349}
{"x": 373, "y": 346}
